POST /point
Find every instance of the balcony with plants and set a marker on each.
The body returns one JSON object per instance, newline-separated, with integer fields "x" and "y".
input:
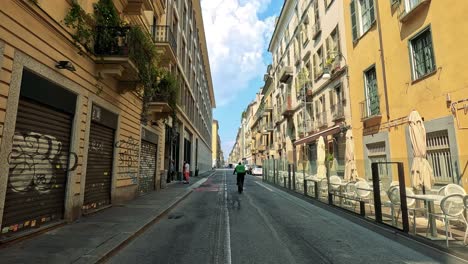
{"x": 105, "y": 37}
{"x": 163, "y": 96}
{"x": 122, "y": 51}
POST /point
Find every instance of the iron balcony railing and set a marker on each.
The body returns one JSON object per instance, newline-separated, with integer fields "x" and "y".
{"x": 163, "y": 34}
{"x": 111, "y": 41}
{"x": 321, "y": 119}
{"x": 370, "y": 107}
{"x": 337, "y": 111}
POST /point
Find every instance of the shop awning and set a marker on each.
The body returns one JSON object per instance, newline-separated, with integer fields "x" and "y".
{"x": 324, "y": 133}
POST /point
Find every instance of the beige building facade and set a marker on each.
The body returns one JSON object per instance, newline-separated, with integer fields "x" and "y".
{"x": 77, "y": 134}
{"x": 305, "y": 93}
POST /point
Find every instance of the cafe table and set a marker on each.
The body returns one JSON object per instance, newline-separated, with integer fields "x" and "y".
{"x": 429, "y": 199}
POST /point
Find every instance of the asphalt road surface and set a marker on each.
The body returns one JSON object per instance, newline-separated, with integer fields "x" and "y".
{"x": 215, "y": 224}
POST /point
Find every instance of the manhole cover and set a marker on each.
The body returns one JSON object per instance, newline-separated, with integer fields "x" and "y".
{"x": 175, "y": 216}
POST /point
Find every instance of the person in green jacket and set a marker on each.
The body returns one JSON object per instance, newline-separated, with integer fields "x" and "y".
{"x": 240, "y": 170}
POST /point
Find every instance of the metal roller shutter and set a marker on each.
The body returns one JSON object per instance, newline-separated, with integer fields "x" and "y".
{"x": 147, "y": 167}
{"x": 99, "y": 167}
{"x": 38, "y": 167}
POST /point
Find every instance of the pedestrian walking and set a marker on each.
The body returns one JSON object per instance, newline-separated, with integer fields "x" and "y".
{"x": 187, "y": 172}
{"x": 240, "y": 170}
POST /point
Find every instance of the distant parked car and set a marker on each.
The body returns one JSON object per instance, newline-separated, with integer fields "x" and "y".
{"x": 247, "y": 168}
{"x": 257, "y": 170}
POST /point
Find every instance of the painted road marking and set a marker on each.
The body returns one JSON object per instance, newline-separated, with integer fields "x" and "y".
{"x": 261, "y": 184}
{"x": 227, "y": 242}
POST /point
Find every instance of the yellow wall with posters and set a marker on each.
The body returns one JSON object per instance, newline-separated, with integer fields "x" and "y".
{"x": 427, "y": 95}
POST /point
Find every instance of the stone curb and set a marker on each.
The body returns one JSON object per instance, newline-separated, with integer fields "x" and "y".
{"x": 114, "y": 244}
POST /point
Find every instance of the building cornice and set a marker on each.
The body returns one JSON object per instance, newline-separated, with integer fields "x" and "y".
{"x": 280, "y": 24}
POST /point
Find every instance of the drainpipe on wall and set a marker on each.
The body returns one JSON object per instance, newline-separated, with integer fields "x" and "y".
{"x": 382, "y": 58}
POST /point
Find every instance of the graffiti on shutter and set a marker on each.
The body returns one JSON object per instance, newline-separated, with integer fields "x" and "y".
{"x": 147, "y": 167}
{"x": 38, "y": 166}
{"x": 128, "y": 150}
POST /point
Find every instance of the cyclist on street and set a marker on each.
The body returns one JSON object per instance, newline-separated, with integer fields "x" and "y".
{"x": 240, "y": 170}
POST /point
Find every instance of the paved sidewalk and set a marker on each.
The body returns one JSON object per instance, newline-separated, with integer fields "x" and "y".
{"x": 93, "y": 237}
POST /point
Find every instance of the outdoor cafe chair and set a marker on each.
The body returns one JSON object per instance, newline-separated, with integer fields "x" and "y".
{"x": 324, "y": 187}
{"x": 453, "y": 207}
{"x": 364, "y": 193}
{"x": 335, "y": 185}
{"x": 454, "y": 189}
{"x": 441, "y": 192}
{"x": 350, "y": 194}
{"x": 394, "y": 196}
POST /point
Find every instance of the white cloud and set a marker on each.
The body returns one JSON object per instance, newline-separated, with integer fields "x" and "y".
{"x": 236, "y": 40}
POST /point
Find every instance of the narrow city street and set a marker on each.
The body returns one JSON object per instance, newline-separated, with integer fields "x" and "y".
{"x": 215, "y": 224}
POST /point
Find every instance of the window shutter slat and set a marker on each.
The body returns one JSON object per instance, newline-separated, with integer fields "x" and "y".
{"x": 372, "y": 11}
{"x": 354, "y": 24}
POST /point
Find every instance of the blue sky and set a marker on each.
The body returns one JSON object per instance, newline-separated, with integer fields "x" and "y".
{"x": 238, "y": 33}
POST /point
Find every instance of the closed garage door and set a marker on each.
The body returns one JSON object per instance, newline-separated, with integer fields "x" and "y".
{"x": 38, "y": 166}
{"x": 99, "y": 167}
{"x": 147, "y": 167}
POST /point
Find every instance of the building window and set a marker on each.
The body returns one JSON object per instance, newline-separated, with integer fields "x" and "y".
{"x": 318, "y": 64}
{"x": 422, "y": 54}
{"x": 362, "y": 17}
{"x": 410, "y": 4}
{"x": 333, "y": 43}
{"x": 371, "y": 105}
{"x": 439, "y": 156}
{"x": 376, "y": 153}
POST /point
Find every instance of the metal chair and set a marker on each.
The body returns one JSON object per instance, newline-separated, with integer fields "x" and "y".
{"x": 454, "y": 189}
{"x": 394, "y": 196}
{"x": 453, "y": 207}
{"x": 323, "y": 187}
{"x": 363, "y": 193}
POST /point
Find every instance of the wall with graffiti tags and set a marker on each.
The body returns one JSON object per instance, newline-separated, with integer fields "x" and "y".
{"x": 128, "y": 150}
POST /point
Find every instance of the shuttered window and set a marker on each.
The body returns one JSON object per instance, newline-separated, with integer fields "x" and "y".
{"x": 362, "y": 17}
{"x": 439, "y": 156}
{"x": 354, "y": 20}
{"x": 376, "y": 153}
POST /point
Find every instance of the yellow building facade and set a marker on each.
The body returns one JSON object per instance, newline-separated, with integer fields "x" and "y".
{"x": 408, "y": 55}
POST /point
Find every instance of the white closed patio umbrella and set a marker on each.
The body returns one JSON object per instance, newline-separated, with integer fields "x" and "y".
{"x": 321, "y": 169}
{"x": 422, "y": 175}
{"x": 350, "y": 163}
